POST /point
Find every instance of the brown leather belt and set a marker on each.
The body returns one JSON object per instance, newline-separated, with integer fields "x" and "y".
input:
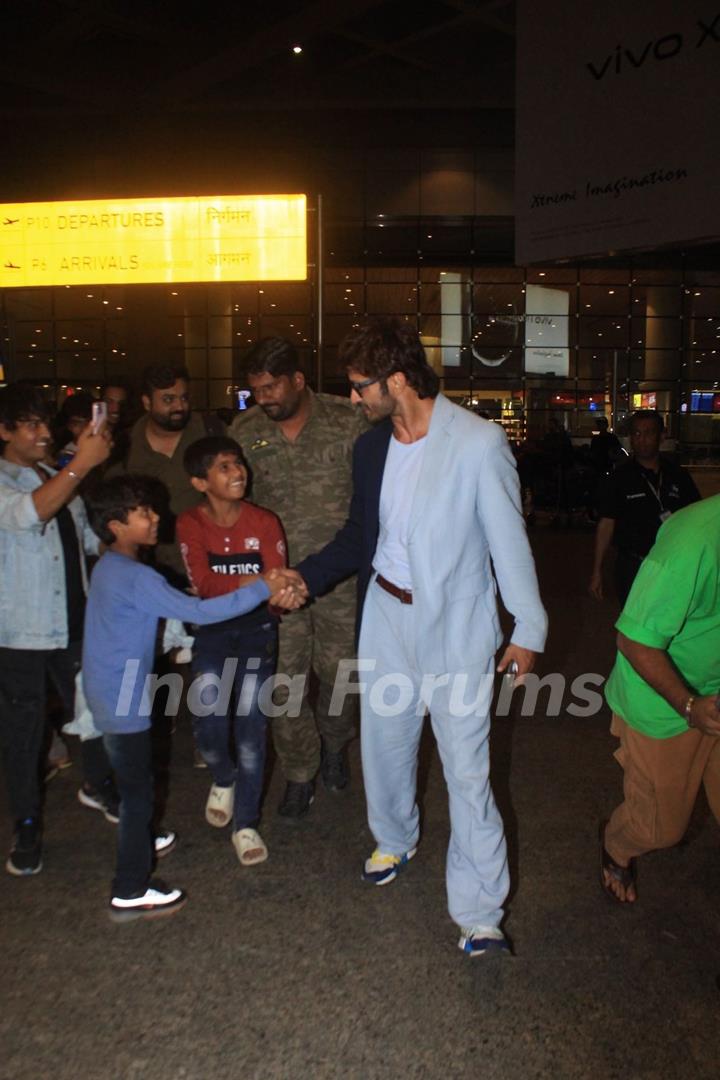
{"x": 403, "y": 595}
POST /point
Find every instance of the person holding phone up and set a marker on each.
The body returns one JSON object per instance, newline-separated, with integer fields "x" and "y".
{"x": 44, "y": 538}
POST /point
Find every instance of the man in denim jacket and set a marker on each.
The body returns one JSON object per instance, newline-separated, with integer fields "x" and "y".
{"x": 44, "y": 537}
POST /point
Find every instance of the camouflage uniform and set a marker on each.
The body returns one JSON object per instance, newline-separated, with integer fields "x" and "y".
{"x": 308, "y": 484}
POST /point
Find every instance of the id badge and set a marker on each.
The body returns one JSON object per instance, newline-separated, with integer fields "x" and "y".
{"x": 665, "y": 515}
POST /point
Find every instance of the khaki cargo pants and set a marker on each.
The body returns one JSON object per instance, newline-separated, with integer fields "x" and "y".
{"x": 661, "y": 782}
{"x": 315, "y": 640}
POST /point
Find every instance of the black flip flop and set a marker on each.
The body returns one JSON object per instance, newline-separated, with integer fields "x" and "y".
{"x": 624, "y": 875}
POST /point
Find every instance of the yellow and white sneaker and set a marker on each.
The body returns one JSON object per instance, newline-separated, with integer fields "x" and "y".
{"x": 382, "y": 868}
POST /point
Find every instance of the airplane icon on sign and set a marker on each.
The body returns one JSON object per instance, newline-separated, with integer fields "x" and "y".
{"x": 11, "y": 266}
{"x": 11, "y": 221}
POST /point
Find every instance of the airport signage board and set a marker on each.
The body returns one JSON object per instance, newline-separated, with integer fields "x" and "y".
{"x": 154, "y": 240}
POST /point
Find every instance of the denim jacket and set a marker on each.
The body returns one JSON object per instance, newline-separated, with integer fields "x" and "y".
{"x": 33, "y": 603}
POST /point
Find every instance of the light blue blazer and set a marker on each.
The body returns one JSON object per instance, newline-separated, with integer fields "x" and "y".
{"x": 466, "y": 537}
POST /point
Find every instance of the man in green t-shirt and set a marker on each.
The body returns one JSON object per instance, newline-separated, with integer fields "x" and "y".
{"x": 663, "y": 691}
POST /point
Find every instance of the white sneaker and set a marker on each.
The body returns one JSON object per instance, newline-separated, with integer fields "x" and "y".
{"x": 158, "y": 899}
{"x": 165, "y": 842}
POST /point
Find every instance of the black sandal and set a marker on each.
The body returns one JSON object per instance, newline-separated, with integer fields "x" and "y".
{"x": 624, "y": 875}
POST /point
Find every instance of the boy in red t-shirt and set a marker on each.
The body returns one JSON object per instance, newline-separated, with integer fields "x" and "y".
{"x": 226, "y": 542}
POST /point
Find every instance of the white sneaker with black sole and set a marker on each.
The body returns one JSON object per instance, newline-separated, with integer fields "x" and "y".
{"x": 157, "y": 900}
{"x": 106, "y": 801}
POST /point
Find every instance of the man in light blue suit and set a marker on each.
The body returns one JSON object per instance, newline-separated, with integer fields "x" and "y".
{"x": 435, "y": 520}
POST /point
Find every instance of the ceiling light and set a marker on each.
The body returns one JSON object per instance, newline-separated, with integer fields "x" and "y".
{"x": 297, "y": 49}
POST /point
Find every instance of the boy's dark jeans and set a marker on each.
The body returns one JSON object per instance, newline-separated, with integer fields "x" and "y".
{"x": 255, "y": 651}
{"x": 22, "y": 721}
{"x": 131, "y": 758}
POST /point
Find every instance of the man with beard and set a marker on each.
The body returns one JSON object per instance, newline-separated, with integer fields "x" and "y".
{"x": 299, "y": 447}
{"x": 435, "y": 519}
{"x": 158, "y": 442}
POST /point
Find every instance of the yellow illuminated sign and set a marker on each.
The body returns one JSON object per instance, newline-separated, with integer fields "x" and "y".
{"x": 139, "y": 241}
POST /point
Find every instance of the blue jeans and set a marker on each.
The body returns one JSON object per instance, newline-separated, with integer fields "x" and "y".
{"x": 250, "y": 655}
{"x": 131, "y": 758}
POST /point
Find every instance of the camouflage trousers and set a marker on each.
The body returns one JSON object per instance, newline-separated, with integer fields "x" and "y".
{"x": 314, "y": 640}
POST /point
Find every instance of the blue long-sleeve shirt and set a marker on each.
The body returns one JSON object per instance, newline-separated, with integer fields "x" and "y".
{"x": 125, "y": 602}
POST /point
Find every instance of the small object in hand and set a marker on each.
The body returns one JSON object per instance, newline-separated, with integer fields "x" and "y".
{"x": 511, "y": 673}
{"x": 99, "y": 415}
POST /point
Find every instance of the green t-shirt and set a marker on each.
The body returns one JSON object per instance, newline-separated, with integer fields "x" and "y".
{"x": 674, "y": 605}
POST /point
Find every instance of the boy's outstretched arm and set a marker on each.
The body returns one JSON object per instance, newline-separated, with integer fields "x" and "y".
{"x": 154, "y": 596}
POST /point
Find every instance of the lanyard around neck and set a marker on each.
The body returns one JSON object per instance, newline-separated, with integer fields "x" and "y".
{"x": 655, "y": 490}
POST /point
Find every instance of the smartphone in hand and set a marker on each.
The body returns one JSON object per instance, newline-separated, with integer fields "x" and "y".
{"x": 99, "y": 415}
{"x": 511, "y": 674}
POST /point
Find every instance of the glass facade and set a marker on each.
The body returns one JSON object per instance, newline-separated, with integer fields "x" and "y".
{"x": 520, "y": 344}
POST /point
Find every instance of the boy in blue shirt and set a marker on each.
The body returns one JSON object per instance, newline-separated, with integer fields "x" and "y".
{"x": 125, "y": 602}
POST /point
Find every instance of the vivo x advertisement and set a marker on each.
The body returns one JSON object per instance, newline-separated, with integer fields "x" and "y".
{"x": 617, "y": 119}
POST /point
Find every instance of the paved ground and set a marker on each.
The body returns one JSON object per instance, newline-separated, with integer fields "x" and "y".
{"x": 295, "y": 969}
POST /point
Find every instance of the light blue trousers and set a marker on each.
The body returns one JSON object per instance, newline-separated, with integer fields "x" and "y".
{"x": 394, "y": 697}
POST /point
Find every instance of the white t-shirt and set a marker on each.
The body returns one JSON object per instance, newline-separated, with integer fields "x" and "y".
{"x": 403, "y": 466}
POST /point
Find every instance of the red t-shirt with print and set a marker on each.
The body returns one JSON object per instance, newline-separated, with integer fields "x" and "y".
{"x": 215, "y": 554}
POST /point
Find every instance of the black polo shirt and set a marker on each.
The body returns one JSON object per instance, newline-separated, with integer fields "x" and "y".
{"x": 639, "y": 500}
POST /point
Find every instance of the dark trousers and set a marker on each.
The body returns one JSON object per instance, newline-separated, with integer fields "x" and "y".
{"x": 23, "y": 674}
{"x": 131, "y": 758}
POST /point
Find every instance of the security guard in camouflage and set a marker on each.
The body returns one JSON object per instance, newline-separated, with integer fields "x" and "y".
{"x": 299, "y": 448}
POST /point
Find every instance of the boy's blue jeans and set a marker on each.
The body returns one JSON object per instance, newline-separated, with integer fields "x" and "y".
{"x": 216, "y": 651}
{"x": 131, "y": 758}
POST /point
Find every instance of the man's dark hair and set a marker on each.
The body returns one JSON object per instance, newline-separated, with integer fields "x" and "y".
{"x": 75, "y": 405}
{"x": 120, "y": 383}
{"x": 20, "y": 401}
{"x": 647, "y": 414}
{"x": 384, "y": 346}
{"x": 274, "y": 355}
{"x": 114, "y": 499}
{"x": 161, "y": 377}
{"x": 201, "y": 454}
